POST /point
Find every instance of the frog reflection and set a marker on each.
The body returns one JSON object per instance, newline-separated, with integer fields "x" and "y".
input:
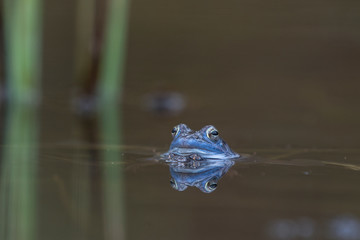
{"x": 201, "y": 174}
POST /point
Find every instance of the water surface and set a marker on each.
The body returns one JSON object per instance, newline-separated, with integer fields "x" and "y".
{"x": 275, "y": 194}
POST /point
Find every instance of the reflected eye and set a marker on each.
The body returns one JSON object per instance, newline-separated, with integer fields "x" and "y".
{"x": 212, "y": 133}
{"x": 175, "y": 131}
{"x": 211, "y": 185}
{"x": 173, "y": 184}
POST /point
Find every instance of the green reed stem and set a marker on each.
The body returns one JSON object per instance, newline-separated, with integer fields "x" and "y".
{"x": 112, "y": 64}
{"x": 113, "y": 174}
{"x": 18, "y": 218}
{"x": 22, "y": 43}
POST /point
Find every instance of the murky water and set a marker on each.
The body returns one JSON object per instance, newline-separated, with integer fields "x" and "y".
{"x": 79, "y": 192}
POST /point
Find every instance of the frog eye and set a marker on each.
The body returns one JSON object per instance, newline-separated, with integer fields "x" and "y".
{"x": 173, "y": 184}
{"x": 175, "y": 131}
{"x": 212, "y": 133}
{"x": 211, "y": 185}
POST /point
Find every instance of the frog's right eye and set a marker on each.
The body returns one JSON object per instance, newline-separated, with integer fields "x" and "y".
{"x": 212, "y": 133}
{"x": 175, "y": 131}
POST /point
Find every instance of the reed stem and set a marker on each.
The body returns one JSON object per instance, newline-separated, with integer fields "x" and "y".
{"x": 112, "y": 64}
{"x": 18, "y": 201}
{"x": 22, "y": 23}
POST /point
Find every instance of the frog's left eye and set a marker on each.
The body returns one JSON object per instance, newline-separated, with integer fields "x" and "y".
{"x": 175, "y": 131}
{"x": 212, "y": 133}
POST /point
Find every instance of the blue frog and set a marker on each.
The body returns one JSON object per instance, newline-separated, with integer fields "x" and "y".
{"x": 198, "y": 145}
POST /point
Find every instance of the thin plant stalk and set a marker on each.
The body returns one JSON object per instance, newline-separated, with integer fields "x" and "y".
{"x": 112, "y": 64}
{"x": 22, "y": 23}
{"x": 18, "y": 202}
{"x": 113, "y": 175}
{"x": 84, "y": 33}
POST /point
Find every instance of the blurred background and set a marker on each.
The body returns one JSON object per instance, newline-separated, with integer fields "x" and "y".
{"x": 89, "y": 84}
{"x": 265, "y": 73}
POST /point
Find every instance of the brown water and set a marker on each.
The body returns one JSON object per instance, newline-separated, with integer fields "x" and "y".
{"x": 279, "y": 80}
{"x": 312, "y": 194}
